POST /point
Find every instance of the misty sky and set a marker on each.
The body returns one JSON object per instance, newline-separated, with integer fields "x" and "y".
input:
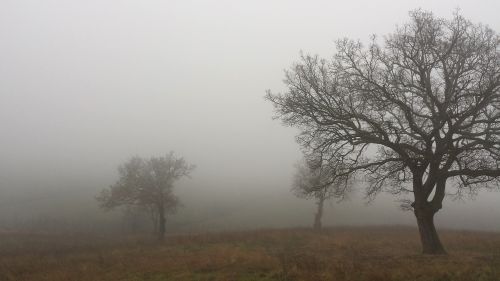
{"x": 84, "y": 85}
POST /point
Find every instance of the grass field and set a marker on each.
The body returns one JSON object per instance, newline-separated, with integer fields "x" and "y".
{"x": 367, "y": 253}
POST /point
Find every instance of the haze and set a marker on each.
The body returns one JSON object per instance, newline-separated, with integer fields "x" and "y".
{"x": 84, "y": 85}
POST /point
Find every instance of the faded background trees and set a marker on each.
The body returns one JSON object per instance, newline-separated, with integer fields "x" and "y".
{"x": 316, "y": 179}
{"x": 148, "y": 184}
{"x": 419, "y": 113}
{"x": 121, "y": 89}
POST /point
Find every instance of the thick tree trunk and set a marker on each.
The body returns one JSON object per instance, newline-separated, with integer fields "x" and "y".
{"x": 319, "y": 214}
{"x": 161, "y": 223}
{"x": 431, "y": 244}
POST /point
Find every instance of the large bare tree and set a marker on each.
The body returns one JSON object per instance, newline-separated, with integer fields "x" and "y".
{"x": 417, "y": 114}
{"x": 148, "y": 184}
{"x": 315, "y": 179}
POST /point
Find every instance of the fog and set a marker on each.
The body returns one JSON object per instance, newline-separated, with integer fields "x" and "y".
{"x": 85, "y": 85}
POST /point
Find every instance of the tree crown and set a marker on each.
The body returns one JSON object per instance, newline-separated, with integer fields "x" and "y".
{"x": 419, "y": 108}
{"x": 146, "y": 182}
{"x": 315, "y": 178}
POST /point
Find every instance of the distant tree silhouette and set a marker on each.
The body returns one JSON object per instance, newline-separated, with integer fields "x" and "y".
{"x": 315, "y": 179}
{"x": 148, "y": 184}
{"x": 418, "y": 114}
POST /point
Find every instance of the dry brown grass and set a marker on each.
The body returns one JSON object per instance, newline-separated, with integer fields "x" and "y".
{"x": 368, "y": 253}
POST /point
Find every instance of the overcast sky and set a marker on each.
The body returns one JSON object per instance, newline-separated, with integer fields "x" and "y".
{"x": 86, "y": 84}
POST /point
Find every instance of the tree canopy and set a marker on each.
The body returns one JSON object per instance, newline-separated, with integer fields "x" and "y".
{"x": 315, "y": 178}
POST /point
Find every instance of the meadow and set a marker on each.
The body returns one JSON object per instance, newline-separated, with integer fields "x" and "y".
{"x": 387, "y": 253}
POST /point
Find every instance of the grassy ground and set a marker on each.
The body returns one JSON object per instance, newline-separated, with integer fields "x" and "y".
{"x": 371, "y": 254}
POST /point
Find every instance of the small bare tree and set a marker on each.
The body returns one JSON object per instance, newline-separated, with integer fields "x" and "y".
{"x": 148, "y": 183}
{"x": 418, "y": 114}
{"x": 315, "y": 179}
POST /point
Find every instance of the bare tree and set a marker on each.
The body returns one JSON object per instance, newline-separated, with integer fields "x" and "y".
{"x": 418, "y": 114}
{"x": 148, "y": 183}
{"x": 314, "y": 179}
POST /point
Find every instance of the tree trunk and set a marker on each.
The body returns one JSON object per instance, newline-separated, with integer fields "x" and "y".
{"x": 428, "y": 235}
{"x": 161, "y": 222}
{"x": 319, "y": 214}
{"x": 155, "y": 225}
{"x": 154, "y": 218}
